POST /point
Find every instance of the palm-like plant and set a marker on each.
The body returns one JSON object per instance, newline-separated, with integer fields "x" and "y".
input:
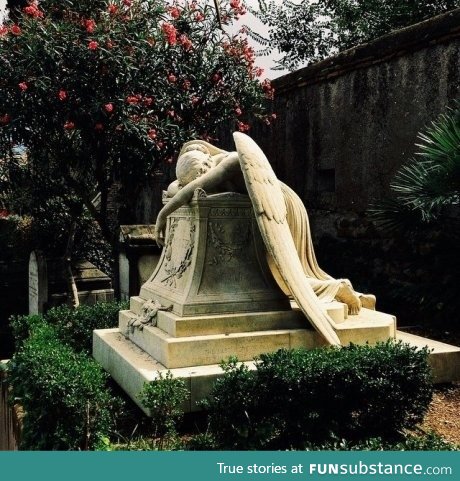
{"x": 423, "y": 215}
{"x": 427, "y": 189}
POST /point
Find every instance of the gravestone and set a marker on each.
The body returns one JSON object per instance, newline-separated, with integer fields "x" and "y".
{"x": 139, "y": 255}
{"x": 48, "y": 283}
{"x": 38, "y": 283}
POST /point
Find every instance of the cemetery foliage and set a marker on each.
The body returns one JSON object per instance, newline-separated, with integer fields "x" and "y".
{"x": 299, "y": 399}
{"x": 97, "y": 96}
{"x": 305, "y": 32}
{"x": 61, "y": 389}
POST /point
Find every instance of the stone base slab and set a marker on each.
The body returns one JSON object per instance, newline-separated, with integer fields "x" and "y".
{"x": 131, "y": 367}
{"x": 220, "y": 323}
{"x": 444, "y": 358}
{"x": 204, "y": 340}
{"x": 174, "y": 352}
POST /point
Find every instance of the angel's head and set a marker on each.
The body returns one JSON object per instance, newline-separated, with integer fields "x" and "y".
{"x": 194, "y": 161}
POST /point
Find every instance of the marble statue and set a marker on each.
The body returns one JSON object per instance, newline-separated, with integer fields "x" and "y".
{"x": 281, "y": 217}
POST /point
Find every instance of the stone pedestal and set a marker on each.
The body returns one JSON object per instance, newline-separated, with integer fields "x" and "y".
{"x": 210, "y": 297}
{"x": 213, "y": 261}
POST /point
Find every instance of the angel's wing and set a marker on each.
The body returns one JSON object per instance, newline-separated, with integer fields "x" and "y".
{"x": 270, "y": 209}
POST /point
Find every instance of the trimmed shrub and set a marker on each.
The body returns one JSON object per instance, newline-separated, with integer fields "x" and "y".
{"x": 63, "y": 394}
{"x": 73, "y": 326}
{"x": 315, "y": 396}
{"x": 164, "y": 398}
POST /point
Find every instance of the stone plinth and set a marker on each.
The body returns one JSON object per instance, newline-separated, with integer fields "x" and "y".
{"x": 214, "y": 261}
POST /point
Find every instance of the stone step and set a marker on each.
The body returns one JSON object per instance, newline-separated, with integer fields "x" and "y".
{"x": 131, "y": 368}
{"x": 215, "y": 333}
{"x": 367, "y": 326}
{"x": 224, "y": 323}
{"x": 444, "y": 358}
{"x": 175, "y": 352}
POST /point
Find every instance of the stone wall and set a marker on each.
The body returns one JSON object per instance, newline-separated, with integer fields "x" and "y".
{"x": 344, "y": 125}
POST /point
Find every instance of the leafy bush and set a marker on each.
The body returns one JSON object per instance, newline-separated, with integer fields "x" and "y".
{"x": 298, "y": 397}
{"x": 63, "y": 394}
{"x": 164, "y": 398}
{"x": 408, "y": 442}
{"x": 73, "y": 326}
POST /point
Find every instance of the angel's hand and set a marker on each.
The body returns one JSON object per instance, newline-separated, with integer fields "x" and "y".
{"x": 160, "y": 226}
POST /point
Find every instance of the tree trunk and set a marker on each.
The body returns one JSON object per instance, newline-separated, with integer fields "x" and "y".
{"x": 71, "y": 286}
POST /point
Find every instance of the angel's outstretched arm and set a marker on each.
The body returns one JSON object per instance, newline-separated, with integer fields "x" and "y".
{"x": 209, "y": 181}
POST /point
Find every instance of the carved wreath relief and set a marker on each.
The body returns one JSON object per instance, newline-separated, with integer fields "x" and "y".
{"x": 174, "y": 268}
{"x": 228, "y": 247}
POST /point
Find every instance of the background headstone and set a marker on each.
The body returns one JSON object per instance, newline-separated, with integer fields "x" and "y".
{"x": 38, "y": 283}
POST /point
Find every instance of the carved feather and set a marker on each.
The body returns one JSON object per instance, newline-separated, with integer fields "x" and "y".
{"x": 268, "y": 202}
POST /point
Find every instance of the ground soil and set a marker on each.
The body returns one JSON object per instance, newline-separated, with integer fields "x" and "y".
{"x": 443, "y": 415}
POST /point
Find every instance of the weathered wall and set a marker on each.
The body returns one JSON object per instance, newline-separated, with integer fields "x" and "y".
{"x": 346, "y": 124}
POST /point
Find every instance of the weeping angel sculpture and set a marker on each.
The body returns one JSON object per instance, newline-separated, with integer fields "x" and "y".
{"x": 281, "y": 217}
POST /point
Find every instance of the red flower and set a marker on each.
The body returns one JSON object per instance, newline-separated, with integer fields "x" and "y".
{"x": 3, "y": 30}
{"x": 238, "y": 111}
{"x": 62, "y": 95}
{"x": 127, "y": 3}
{"x": 109, "y": 44}
{"x": 4, "y": 213}
{"x": 269, "y": 91}
{"x": 152, "y": 133}
{"x": 172, "y": 78}
{"x": 112, "y": 9}
{"x": 147, "y": 101}
{"x": 90, "y": 25}
{"x": 93, "y": 45}
{"x": 23, "y": 86}
{"x": 258, "y": 71}
{"x": 5, "y": 119}
{"x": 170, "y": 33}
{"x": 237, "y": 7}
{"x": 199, "y": 17}
{"x": 243, "y": 127}
{"x": 69, "y": 125}
{"x": 15, "y": 30}
{"x": 195, "y": 100}
{"x": 33, "y": 11}
{"x": 185, "y": 42}
{"x": 174, "y": 12}
{"x": 186, "y": 85}
{"x": 109, "y": 107}
{"x": 170, "y": 113}
{"x": 131, "y": 99}
{"x": 99, "y": 127}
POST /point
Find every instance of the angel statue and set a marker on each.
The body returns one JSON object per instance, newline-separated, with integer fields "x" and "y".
{"x": 281, "y": 217}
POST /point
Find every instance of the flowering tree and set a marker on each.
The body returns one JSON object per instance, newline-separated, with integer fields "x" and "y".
{"x": 104, "y": 91}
